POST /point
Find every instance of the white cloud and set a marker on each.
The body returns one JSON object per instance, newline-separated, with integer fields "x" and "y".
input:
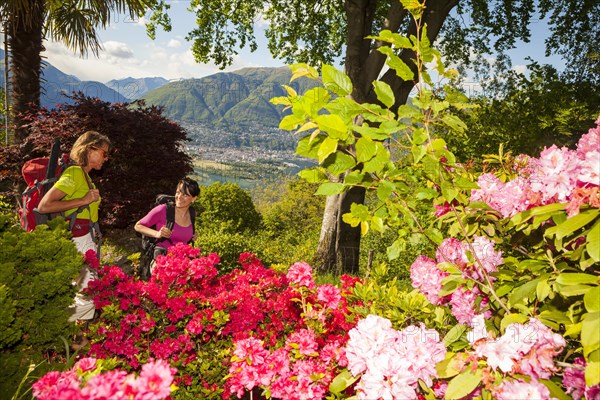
{"x": 174, "y": 43}
{"x": 117, "y": 49}
{"x": 520, "y": 69}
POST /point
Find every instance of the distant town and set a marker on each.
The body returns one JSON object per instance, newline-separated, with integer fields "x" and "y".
{"x": 249, "y": 156}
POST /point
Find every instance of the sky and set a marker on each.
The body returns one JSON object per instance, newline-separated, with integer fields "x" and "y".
{"x": 128, "y": 52}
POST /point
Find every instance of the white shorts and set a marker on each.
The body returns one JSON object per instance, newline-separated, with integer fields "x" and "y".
{"x": 83, "y": 308}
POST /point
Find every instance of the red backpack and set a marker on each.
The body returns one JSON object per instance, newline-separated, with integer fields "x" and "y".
{"x": 40, "y": 174}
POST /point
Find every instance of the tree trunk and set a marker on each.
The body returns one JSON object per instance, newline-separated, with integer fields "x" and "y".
{"x": 339, "y": 244}
{"x": 25, "y": 34}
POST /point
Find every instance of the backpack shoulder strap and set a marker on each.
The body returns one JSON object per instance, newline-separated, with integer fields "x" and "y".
{"x": 193, "y": 218}
{"x": 170, "y": 215}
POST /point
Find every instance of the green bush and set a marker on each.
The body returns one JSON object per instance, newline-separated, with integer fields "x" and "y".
{"x": 36, "y": 274}
{"x": 226, "y": 206}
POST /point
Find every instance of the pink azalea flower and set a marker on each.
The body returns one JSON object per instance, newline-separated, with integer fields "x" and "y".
{"x": 154, "y": 381}
{"x": 56, "y": 386}
{"x": 108, "y": 385}
{"x": 251, "y": 350}
{"x": 304, "y": 341}
{"x": 330, "y": 295}
{"x": 442, "y": 209}
{"x": 300, "y": 273}
{"x": 85, "y": 364}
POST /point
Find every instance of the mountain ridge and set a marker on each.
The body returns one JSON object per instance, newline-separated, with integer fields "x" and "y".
{"x": 236, "y": 100}
{"x": 57, "y": 86}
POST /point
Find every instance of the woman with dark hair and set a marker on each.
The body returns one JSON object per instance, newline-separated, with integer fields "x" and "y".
{"x": 76, "y": 195}
{"x": 154, "y": 224}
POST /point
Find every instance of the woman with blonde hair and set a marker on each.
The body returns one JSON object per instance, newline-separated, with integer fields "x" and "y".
{"x": 75, "y": 195}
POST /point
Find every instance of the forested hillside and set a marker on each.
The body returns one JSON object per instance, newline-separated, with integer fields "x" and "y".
{"x": 231, "y": 100}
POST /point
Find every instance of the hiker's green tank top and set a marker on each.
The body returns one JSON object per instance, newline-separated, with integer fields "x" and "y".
{"x": 73, "y": 183}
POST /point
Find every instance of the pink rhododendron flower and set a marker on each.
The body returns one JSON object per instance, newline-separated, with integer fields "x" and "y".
{"x": 370, "y": 335}
{"x": 593, "y": 392}
{"x": 574, "y": 379}
{"x": 479, "y": 330}
{"x": 485, "y": 256}
{"x": 300, "y": 273}
{"x": 463, "y": 304}
{"x": 527, "y": 349}
{"x": 590, "y": 141}
{"x": 427, "y": 277}
{"x": 590, "y": 168}
{"x": 519, "y": 389}
{"x": 489, "y": 184}
{"x": 392, "y": 362}
{"x": 452, "y": 251}
{"x": 539, "y": 362}
{"x": 330, "y": 295}
{"x": 554, "y": 173}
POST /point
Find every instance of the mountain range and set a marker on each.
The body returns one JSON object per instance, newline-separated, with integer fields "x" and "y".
{"x": 229, "y": 100}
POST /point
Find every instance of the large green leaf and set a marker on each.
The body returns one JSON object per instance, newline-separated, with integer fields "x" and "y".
{"x": 513, "y": 319}
{"x": 592, "y": 299}
{"x": 525, "y": 215}
{"x": 309, "y": 146}
{"x": 393, "y": 38}
{"x": 445, "y": 369}
{"x": 556, "y": 391}
{"x": 290, "y": 122}
{"x": 395, "y": 63}
{"x": 593, "y": 242}
{"x": 331, "y": 188}
{"x": 333, "y": 125}
{"x": 312, "y": 175}
{"x": 326, "y": 148}
{"x": 384, "y": 93}
{"x": 523, "y": 292}
{"x": 590, "y": 332}
{"x": 463, "y": 384}
{"x": 342, "y": 381}
{"x": 574, "y": 223}
{"x": 336, "y": 81}
{"x": 592, "y": 373}
{"x": 365, "y": 149}
{"x": 454, "y": 334}
{"x": 339, "y": 163}
{"x": 576, "y": 279}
